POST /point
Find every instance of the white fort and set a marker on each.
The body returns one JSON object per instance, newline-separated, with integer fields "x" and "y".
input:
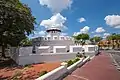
{"x": 53, "y": 37}
{"x": 49, "y": 48}
{"x": 54, "y": 42}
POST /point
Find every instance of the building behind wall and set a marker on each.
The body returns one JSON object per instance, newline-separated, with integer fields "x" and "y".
{"x": 52, "y": 38}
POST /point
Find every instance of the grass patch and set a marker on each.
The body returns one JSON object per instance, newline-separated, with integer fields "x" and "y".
{"x": 76, "y": 59}
{"x": 70, "y": 62}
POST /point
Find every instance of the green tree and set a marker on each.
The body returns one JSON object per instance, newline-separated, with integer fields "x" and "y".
{"x": 26, "y": 42}
{"x": 16, "y": 21}
{"x": 81, "y": 38}
{"x": 115, "y": 38}
{"x": 118, "y": 40}
{"x": 95, "y": 39}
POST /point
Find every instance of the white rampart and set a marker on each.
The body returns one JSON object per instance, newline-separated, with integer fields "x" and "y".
{"x": 43, "y": 49}
{"x": 76, "y": 48}
{"x": 25, "y": 56}
{"x": 14, "y": 54}
{"x": 25, "y": 51}
{"x": 59, "y": 49}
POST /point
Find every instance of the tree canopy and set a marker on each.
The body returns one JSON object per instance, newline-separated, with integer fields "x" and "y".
{"x": 114, "y": 40}
{"x": 26, "y": 42}
{"x": 114, "y": 37}
{"x": 82, "y": 37}
{"x": 16, "y": 21}
{"x": 96, "y": 39}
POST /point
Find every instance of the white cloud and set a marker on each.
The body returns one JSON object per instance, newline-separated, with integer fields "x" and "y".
{"x": 97, "y": 35}
{"x": 55, "y": 5}
{"x": 105, "y": 35}
{"x": 85, "y": 29}
{"x": 56, "y": 21}
{"x": 92, "y": 32}
{"x": 81, "y": 20}
{"x": 100, "y": 30}
{"x": 64, "y": 34}
{"x": 41, "y": 33}
{"x": 37, "y": 34}
{"x": 113, "y": 20}
{"x": 76, "y": 33}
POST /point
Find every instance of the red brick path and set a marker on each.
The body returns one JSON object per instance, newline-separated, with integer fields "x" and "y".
{"x": 99, "y": 68}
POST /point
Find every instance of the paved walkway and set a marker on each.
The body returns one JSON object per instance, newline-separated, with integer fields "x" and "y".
{"x": 99, "y": 68}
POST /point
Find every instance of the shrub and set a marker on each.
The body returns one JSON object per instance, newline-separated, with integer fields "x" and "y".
{"x": 28, "y": 65}
{"x": 79, "y": 55}
{"x": 76, "y": 59}
{"x": 43, "y": 73}
{"x": 69, "y": 63}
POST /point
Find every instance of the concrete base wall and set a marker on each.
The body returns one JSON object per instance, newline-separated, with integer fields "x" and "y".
{"x": 24, "y": 55}
{"x": 38, "y": 58}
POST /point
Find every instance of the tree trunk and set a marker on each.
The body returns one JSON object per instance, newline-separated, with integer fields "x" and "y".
{"x": 3, "y": 51}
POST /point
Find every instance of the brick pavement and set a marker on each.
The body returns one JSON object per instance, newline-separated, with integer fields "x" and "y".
{"x": 99, "y": 68}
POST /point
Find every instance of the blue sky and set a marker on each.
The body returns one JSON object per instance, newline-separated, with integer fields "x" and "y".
{"x": 93, "y": 11}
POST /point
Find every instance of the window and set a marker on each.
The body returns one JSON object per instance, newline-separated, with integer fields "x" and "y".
{"x": 55, "y": 38}
{"x": 45, "y": 39}
{"x": 62, "y": 38}
{"x": 48, "y": 38}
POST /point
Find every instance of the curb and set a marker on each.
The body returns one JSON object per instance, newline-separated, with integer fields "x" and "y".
{"x": 62, "y": 71}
